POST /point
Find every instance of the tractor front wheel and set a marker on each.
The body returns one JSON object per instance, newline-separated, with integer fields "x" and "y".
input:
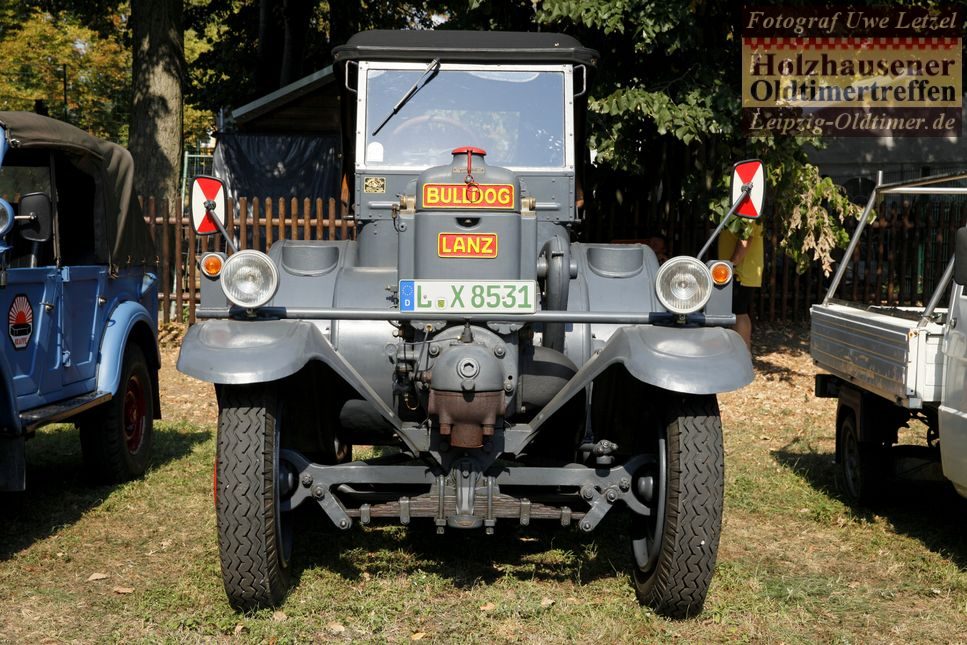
{"x": 254, "y": 535}
{"x": 674, "y": 549}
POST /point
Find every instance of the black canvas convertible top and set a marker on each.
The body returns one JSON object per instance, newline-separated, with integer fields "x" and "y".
{"x": 124, "y": 238}
{"x": 490, "y": 46}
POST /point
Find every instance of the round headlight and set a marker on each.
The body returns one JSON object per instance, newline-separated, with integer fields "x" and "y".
{"x": 249, "y": 278}
{"x": 6, "y": 217}
{"x": 683, "y": 284}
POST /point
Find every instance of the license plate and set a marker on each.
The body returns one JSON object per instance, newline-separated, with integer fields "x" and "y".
{"x": 469, "y": 296}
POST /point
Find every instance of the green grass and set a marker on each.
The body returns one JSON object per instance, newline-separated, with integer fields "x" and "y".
{"x": 797, "y": 563}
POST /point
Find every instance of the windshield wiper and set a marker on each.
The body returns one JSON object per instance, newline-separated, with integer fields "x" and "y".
{"x": 428, "y": 74}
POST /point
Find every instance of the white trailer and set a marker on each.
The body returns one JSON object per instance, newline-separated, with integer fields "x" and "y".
{"x": 888, "y": 365}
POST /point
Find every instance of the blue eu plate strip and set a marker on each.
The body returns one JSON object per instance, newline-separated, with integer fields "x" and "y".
{"x": 407, "y": 295}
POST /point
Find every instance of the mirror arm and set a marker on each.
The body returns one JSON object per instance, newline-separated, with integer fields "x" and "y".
{"x": 229, "y": 240}
{"x": 938, "y": 294}
{"x": 746, "y": 189}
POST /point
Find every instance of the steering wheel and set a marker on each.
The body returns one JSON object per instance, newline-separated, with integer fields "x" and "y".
{"x": 426, "y": 123}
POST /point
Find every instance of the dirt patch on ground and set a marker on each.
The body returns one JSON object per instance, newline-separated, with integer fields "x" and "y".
{"x": 782, "y": 394}
{"x": 183, "y": 398}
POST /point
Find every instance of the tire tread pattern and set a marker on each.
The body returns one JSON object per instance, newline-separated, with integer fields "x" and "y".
{"x": 696, "y": 473}
{"x": 867, "y": 486}
{"x": 103, "y": 446}
{"x": 252, "y": 572}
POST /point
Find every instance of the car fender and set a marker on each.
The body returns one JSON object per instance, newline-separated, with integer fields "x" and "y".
{"x": 120, "y": 326}
{"x": 9, "y": 419}
{"x": 690, "y": 360}
{"x": 234, "y": 352}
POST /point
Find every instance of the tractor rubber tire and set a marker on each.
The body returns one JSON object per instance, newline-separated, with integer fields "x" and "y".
{"x": 252, "y": 545}
{"x": 685, "y": 540}
{"x": 116, "y": 437}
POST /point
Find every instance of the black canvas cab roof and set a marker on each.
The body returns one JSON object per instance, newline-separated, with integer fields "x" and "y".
{"x": 469, "y": 46}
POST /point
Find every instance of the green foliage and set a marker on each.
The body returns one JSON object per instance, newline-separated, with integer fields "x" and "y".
{"x": 35, "y": 54}
{"x": 812, "y": 210}
{"x": 92, "y": 38}
{"x": 647, "y": 23}
{"x": 198, "y": 120}
{"x": 231, "y": 69}
{"x": 665, "y": 110}
{"x": 813, "y": 218}
{"x": 631, "y": 109}
{"x": 101, "y": 16}
{"x": 223, "y": 52}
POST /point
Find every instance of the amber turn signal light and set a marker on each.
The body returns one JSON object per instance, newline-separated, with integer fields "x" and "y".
{"x": 211, "y": 265}
{"x": 721, "y": 273}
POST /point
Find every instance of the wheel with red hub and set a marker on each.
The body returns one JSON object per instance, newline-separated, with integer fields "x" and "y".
{"x": 116, "y": 437}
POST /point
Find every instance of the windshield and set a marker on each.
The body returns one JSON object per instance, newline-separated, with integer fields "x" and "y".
{"x": 516, "y": 116}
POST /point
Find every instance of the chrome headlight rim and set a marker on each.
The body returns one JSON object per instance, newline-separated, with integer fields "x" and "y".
{"x": 6, "y": 217}
{"x": 264, "y": 261}
{"x": 670, "y": 266}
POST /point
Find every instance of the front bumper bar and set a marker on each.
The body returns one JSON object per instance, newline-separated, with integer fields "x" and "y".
{"x": 576, "y": 317}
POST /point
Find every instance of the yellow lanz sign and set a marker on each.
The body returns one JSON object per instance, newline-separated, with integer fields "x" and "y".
{"x": 468, "y": 196}
{"x": 467, "y": 245}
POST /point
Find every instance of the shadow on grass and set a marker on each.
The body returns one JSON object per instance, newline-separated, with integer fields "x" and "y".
{"x": 543, "y": 551}
{"x": 924, "y": 510}
{"x": 784, "y": 337}
{"x": 789, "y": 338}
{"x": 59, "y": 490}
{"x": 773, "y": 371}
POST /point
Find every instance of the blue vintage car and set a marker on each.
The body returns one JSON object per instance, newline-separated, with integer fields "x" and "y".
{"x": 78, "y": 299}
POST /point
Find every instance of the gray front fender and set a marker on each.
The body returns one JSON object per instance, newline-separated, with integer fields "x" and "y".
{"x": 233, "y": 352}
{"x": 692, "y": 360}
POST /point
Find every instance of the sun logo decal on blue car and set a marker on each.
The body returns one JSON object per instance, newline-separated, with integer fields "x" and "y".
{"x": 20, "y": 322}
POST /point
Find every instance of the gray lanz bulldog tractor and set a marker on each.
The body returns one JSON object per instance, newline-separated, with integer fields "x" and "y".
{"x": 506, "y": 371}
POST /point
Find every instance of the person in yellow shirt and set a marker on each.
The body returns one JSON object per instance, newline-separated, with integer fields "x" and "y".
{"x": 746, "y": 253}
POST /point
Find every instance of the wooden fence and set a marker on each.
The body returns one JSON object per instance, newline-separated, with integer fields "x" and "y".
{"x": 259, "y": 222}
{"x": 901, "y": 257}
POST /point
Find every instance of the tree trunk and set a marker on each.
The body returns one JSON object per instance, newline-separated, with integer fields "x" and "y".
{"x": 158, "y": 72}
